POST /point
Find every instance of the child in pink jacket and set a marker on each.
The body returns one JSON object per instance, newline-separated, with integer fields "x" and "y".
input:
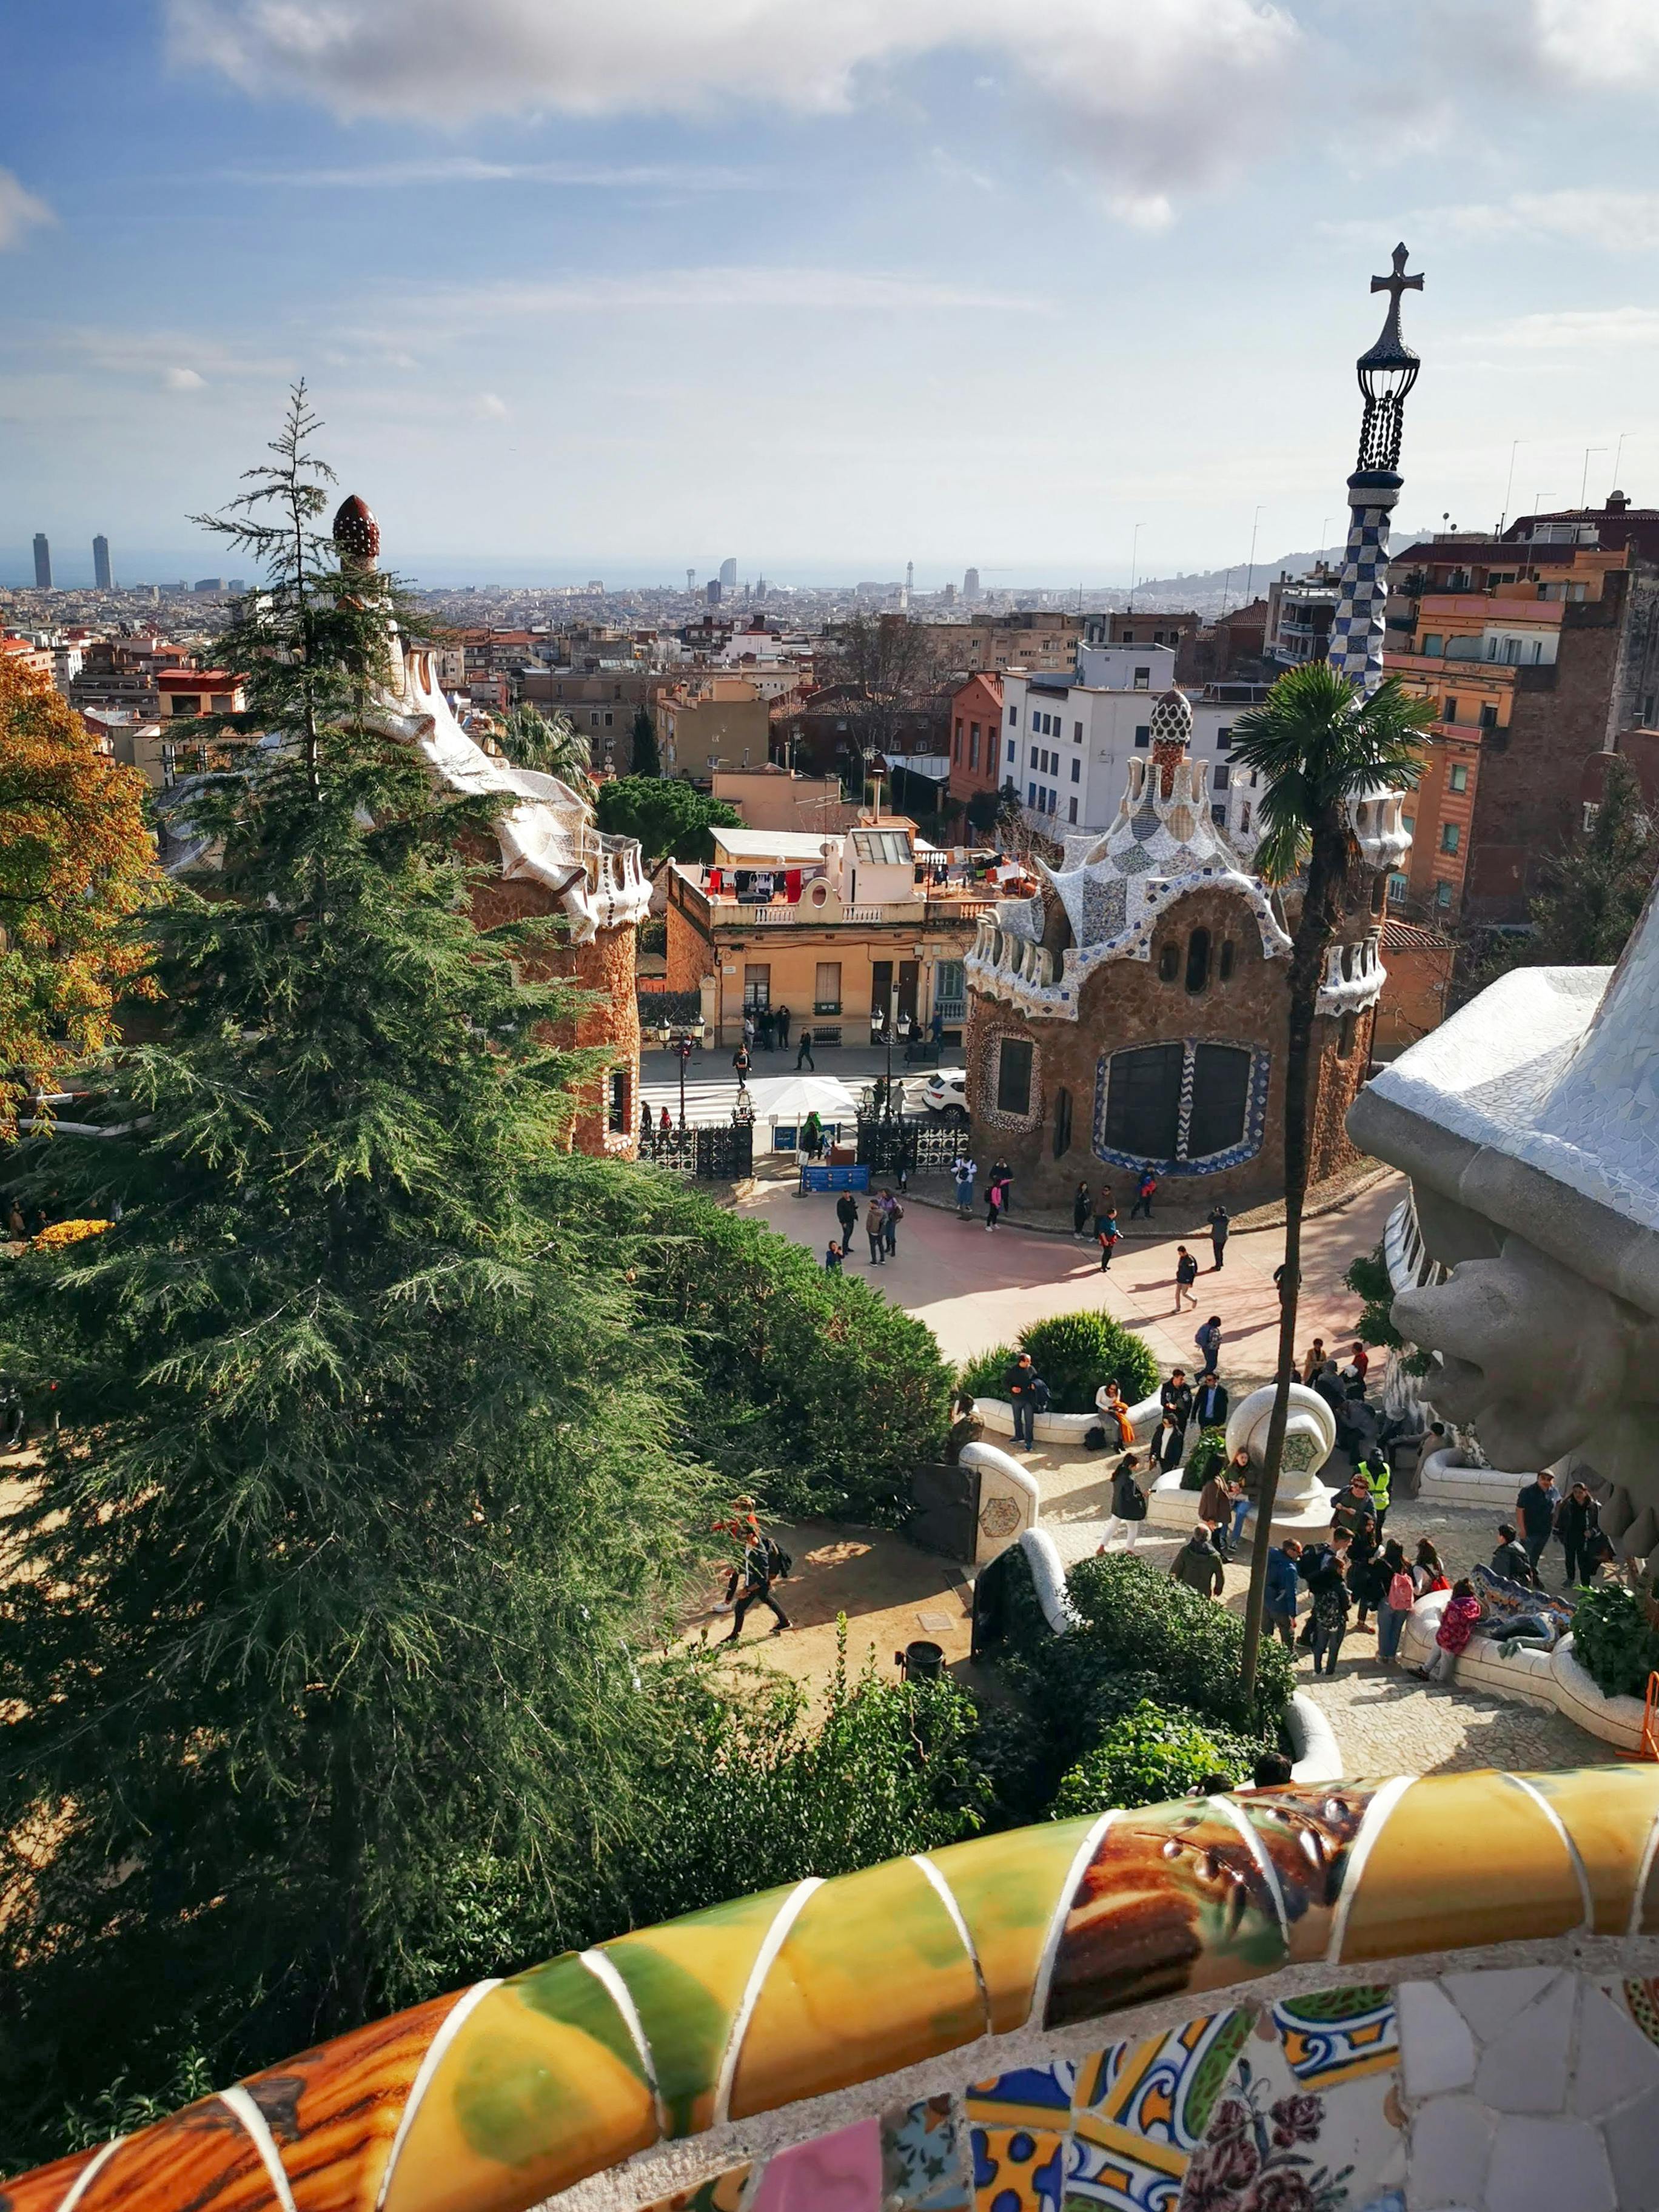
{"x": 1456, "y": 1626}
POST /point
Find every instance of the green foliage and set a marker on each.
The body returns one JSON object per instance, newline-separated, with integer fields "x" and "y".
{"x": 119, "y": 2109}
{"x": 808, "y": 1385}
{"x": 1208, "y": 1455}
{"x": 1316, "y": 742}
{"x": 372, "y": 1476}
{"x": 644, "y": 759}
{"x": 654, "y": 933}
{"x": 1141, "y": 1633}
{"x": 983, "y": 1376}
{"x": 666, "y": 814}
{"x": 1613, "y": 1640}
{"x": 983, "y": 810}
{"x": 1368, "y": 1278}
{"x": 549, "y": 744}
{"x": 1148, "y": 1755}
{"x": 1075, "y": 1353}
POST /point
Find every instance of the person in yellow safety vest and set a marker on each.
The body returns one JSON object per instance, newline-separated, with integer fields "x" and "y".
{"x": 1376, "y": 1472}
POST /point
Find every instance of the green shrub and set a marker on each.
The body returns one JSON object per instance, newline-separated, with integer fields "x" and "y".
{"x": 654, "y": 933}
{"x": 1612, "y": 1641}
{"x": 1208, "y": 1453}
{"x": 1136, "y": 1623}
{"x": 1368, "y": 1278}
{"x": 982, "y": 1377}
{"x": 1148, "y": 1755}
{"x": 1075, "y": 1353}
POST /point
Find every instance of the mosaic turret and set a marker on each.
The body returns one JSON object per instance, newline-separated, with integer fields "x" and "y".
{"x": 1387, "y": 373}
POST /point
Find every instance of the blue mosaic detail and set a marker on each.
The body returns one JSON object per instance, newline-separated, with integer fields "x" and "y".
{"x": 1255, "y": 1115}
{"x": 1356, "y": 626}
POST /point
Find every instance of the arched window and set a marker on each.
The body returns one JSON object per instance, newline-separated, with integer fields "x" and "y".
{"x": 1062, "y": 1122}
{"x": 1198, "y": 960}
{"x": 1169, "y": 963}
{"x": 1224, "y": 964}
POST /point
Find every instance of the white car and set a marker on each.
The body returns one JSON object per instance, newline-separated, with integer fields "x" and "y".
{"x": 946, "y": 1095}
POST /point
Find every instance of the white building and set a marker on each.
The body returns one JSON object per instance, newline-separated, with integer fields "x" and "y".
{"x": 1067, "y": 741}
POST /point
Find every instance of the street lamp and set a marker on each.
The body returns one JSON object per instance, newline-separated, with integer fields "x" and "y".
{"x": 682, "y": 1046}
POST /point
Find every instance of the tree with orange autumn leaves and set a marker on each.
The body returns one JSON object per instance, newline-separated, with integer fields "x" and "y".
{"x": 76, "y": 862}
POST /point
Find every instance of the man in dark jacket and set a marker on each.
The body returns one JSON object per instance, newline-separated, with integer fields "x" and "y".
{"x": 1281, "y": 1598}
{"x": 847, "y": 1212}
{"x": 1198, "y": 1564}
{"x": 1210, "y": 1405}
{"x": 1577, "y": 1521}
{"x": 1176, "y": 1397}
{"x": 1510, "y": 1561}
{"x": 1024, "y": 1387}
{"x": 1534, "y": 1508}
{"x": 760, "y": 1563}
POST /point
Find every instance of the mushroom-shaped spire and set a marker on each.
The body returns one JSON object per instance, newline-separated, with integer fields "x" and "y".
{"x": 356, "y": 533}
{"x": 1172, "y": 732}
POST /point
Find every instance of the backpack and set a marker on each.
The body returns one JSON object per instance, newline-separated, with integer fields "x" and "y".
{"x": 1402, "y": 1593}
{"x": 1094, "y": 1439}
{"x": 1134, "y": 1502}
{"x": 779, "y": 1564}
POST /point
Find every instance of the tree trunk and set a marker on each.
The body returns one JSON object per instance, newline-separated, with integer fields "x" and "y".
{"x": 1315, "y": 930}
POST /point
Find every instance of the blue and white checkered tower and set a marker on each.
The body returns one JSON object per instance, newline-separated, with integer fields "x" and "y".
{"x": 1386, "y": 374}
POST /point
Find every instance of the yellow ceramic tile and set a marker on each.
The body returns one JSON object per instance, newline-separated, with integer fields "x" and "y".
{"x": 872, "y": 1976}
{"x": 687, "y": 1979}
{"x": 541, "y": 2086}
{"x": 1008, "y": 1889}
{"x": 1018, "y": 2170}
{"x": 1463, "y": 1859}
{"x": 1609, "y": 1812}
{"x": 1174, "y": 1899}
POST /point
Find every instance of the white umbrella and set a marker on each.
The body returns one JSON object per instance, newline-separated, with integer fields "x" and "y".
{"x": 803, "y": 1093}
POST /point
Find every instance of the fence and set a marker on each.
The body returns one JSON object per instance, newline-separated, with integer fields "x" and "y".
{"x": 670, "y": 1010}
{"x": 716, "y": 1152}
{"x": 918, "y": 1148}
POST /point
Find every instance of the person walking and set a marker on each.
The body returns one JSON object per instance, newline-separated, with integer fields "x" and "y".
{"x": 763, "y": 1565}
{"x": 1510, "y": 1561}
{"x": 1128, "y": 1505}
{"x": 1024, "y": 1385}
{"x": 1176, "y": 1396}
{"x": 875, "y": 1228}
{"x": 1168, "y": 1443}
{"x": 1146, "y": 1191}
{"x": 1198, "y": 1565}
{"x": 803, "y": 1053}
{"x": 1330, "y": 1608}
{"x": 1578, "y": 1520}
{"x": 964, "y": 1170}
{"x": 740, "y": 1059}
{"x": 665, "y": 1127}
{"x": 1186, "y": 1275}
{"x": 993, "y": 1204}
{"x": 1452, "y": 1637}
{"x": 1083, "y": 1206}
{"x": 1003, "y": 1176}
{"x": 847, "y": 1212}
{"x": 1398, "y": 1596}
{"x": 1220, "y": 1229}
{"x": 1534, "y": 1508}
{"x": 784, "y": 1019}
{"x": 1215, "y": 1505}
{"x": 1107, "y": 1234}
{"x": 647, "y": 1127}
{"x": 891, "y": 1214}
{"x": 1280, "y": 1604}
{"x": 1207, "y": 1337}
{"x": 1210, "y": 1404}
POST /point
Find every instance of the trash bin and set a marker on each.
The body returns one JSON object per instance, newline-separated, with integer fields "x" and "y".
{"x": 920, "y": 1662}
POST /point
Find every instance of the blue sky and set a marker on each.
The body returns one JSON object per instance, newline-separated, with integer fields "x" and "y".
{"x": 613, "y": 287}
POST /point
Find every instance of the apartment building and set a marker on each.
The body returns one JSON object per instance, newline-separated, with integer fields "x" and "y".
{"x": 976, "y": 737}
{"x": 1027, "y": 640}
{"x": 1538, "y": 648}
{"x": 830, "y": 927}
{"x": 709, "y": 722}
{"x": 1299, "y": 613}
{"x": 774, "y": 797}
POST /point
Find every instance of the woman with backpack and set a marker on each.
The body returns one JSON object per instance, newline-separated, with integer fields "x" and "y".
{"x": 1427, "y": 1572}
{"x": 1128, "y": 1505}
{"x": 764, "y": 1562}
{"x": 891, "y": 1214}
{"x": 1398, "y": 1599}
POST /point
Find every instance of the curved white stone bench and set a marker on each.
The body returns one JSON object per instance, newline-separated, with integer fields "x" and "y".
{"x": 1447, "y": 1480}
{"x": 1552, "y": 1680}
{"x": 998, "y": 1413}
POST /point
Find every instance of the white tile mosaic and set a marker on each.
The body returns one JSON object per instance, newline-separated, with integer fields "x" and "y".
{"x": 1450, "y": 2151}
{"x": 1436, "y": 2049}
{"x": 1549, "y": 2165}
{"x": 1616, "y": 2062}
{"x": 1523, "y": 2067}
{"x": 1490, "y": 2002}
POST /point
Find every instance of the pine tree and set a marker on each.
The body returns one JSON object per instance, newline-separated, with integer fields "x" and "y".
{"x": 365, "y": 1494}
{"x": 645, "y": 759}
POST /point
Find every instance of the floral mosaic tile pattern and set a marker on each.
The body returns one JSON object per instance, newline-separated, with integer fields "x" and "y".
{"x": 1524, "y": 2089}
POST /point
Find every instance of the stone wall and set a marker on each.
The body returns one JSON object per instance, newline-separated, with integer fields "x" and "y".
{"x": 1124, "y": 1003}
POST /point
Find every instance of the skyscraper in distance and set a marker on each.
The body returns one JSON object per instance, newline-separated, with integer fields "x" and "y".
{"x": 101, "y": 575}
{"x": 970, "y": 584}
{"x": 729, "y": 572}
{"x": 690, "y": 580}
{"x": 42, "y": 563}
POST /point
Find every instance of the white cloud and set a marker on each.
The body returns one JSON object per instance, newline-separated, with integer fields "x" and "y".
{"x": 467, "y": 169}
{"x": 1621, "y": 221}
{"x": 692, "y": 291}
{"x": 1149, "y": 211}
{"x": 489, "y": 407}
{"x": 19, "y": 211}
{"x": 1160, "y": 94}
{"x": 182, "y": 379}
{"x": 1607, "y": 45}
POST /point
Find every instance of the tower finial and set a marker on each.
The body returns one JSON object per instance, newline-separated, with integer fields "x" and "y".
{"x": 356, "y": 533}
{"x": 1387, "y": 372}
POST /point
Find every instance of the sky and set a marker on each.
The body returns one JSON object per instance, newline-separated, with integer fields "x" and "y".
{"x": 618, "y": 288}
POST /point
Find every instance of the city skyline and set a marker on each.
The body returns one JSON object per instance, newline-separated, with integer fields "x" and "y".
{"x": 579, "y": 297}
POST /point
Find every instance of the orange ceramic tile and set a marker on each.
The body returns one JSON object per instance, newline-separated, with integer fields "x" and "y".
{"x": 687, "y": 1979}
{"x": 201, "y": 2156}
{"x": 1609, "y": 1812}
{"x": 45, "y": 2188}
{"x": 872, "y": 1976}
{"x": 1461, "y": 1859}
{"x": 1173, "y": 1898}
{"x": 332, "y": 2111}
{"x": 1008, "y": 1889}
{"x": 541, "y": 2086}
{"x": 1307, "y": 1835}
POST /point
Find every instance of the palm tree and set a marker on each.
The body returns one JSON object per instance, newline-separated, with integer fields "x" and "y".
{"x": 551, "y": 744}
{"x": 1319, "y": 745}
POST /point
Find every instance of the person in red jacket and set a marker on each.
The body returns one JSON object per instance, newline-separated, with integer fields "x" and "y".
{"x": 1456, "y": 1626}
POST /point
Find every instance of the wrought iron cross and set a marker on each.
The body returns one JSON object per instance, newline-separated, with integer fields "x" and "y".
{"x": 1394, "y": 285}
